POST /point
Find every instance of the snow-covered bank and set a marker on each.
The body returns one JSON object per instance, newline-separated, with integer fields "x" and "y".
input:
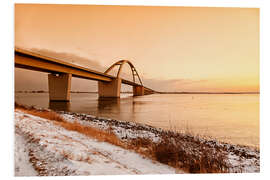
{"x": 23, "y": 166}
{"x": 64, "y": 145}
{"x": 43, "y": 148}
{"x": 236, "y": 158}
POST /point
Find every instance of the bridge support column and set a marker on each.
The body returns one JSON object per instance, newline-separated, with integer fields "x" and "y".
{"x": 59, "y": 87}
{"x": 110, "y": 89}
{"x": 138, "y": 90}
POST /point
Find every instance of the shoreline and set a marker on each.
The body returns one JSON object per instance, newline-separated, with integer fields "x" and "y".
{"x": 45, "y": 148}
{"x": 156, "y": 130}
{"x": 199, "y": 115}
{"x": 178, "y": 150}
{"x": 130, "y": 130}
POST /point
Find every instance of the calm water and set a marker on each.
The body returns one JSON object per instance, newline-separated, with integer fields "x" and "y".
{"x": 231, "y": 118}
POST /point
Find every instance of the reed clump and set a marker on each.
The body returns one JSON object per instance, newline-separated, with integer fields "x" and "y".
{"x": 192, "y": 158}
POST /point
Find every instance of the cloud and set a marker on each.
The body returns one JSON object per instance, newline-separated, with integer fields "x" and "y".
{"x": 172, "y": 84}
{"x": 71, "y": 58}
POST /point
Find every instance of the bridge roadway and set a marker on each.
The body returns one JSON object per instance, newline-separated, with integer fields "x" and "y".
{"x": 34, "y": 61}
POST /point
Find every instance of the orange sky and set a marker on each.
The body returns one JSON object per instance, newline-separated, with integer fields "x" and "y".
{"x": 173, "y": 48}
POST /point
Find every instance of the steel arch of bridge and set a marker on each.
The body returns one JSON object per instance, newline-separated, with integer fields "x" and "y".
{"x": 121, "y": 63}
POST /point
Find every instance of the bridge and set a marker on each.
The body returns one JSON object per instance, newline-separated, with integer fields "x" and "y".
{"x": 61, "y": 72}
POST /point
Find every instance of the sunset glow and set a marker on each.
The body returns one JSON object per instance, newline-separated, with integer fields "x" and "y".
{"x": 173, "y": 48}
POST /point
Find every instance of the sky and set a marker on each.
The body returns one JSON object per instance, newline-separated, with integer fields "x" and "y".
{"x": 173, "y": 48}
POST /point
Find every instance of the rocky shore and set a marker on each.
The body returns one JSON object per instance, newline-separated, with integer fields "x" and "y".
{"x": 185, "y": 151}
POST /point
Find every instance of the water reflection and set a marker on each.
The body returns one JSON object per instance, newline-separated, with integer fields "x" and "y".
{"x": 109, "y": 103}
{"x": 59, "y": 106}
{"x": 230, "y": 118}
{"x": 117, "y": 108}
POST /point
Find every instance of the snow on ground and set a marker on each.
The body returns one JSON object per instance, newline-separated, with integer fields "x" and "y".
{"x": 123, "y": 130}
{"x": 46, "y": 149}
{"x": 239, "y": 158}
{"x": 22, "y": 165}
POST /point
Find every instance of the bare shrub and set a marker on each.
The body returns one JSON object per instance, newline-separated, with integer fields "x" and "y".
{"x": 197, "y": 158}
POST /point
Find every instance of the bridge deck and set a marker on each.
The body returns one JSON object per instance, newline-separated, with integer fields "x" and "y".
{"x": 33, "y": 61}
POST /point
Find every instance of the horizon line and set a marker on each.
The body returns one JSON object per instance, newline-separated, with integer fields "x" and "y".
{"x": 158, "y": 92}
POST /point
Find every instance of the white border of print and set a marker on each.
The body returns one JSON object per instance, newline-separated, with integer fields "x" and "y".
{"x": 7, "y": 78}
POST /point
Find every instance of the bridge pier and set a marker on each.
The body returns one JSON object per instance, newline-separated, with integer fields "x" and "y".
{"x": 59, "y": 87}
{"x": 110, "y": 89}
{"x": 138, "y": 90}
{"x": 60, "y": 81}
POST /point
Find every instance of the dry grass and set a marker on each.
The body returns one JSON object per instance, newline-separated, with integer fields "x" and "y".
{"x": 206, "y": 160}
{"x": 202, "y": 160}
{"x": 98, "y": 134}
{"x": 40, "y": 113}
{"x": 191, "y": 156}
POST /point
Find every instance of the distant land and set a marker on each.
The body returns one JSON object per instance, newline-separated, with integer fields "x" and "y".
{"x": 129, "y": 92}
{"x": 208, "y": 92}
